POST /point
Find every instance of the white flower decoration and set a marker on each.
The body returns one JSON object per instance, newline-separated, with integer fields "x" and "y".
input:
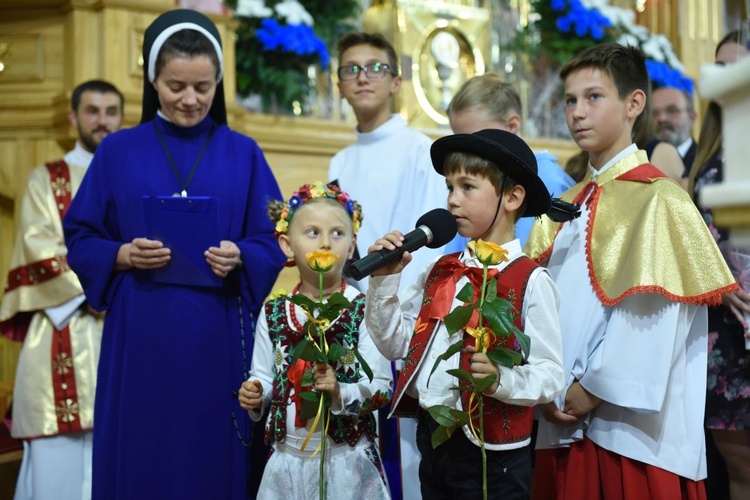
{"x": 279, "y": 356}
{"x": 293, "y": 12}
{"x": 253, "y": 8}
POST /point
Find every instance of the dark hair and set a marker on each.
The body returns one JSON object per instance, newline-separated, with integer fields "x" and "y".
{"x": 372, "y": 39}
{"x": 99, "y": 86}
{"x": 731, "y": 37}
{"x": 189, "y": 44}
{"x": 626, "y": 66}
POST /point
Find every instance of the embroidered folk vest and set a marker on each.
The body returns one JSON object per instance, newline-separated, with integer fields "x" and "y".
{"x": 503, "y": 423}
{"x": 345, "y": 330}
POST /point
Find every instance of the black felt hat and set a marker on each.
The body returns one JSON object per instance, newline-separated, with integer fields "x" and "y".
{"x": 508, "y": 152}
{"x": 156, "y": 34}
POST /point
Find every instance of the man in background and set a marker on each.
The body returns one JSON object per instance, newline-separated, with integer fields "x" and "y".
{"x": 673, "y": 116}
{"x": 44, "y": 306}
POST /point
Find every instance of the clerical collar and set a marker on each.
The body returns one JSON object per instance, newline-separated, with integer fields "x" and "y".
{"x": 683, "y": 148}
{"x": 619, "y": 156}
{"x": 79, "y": 156}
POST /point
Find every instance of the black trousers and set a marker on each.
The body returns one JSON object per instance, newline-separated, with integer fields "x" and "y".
{"x": 454, "y": 469}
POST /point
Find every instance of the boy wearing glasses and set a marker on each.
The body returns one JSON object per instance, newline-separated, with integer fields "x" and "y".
{"x": 389, "y": 171}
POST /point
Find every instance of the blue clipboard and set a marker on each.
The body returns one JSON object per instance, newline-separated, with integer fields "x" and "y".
{"x": 187, "y": 226}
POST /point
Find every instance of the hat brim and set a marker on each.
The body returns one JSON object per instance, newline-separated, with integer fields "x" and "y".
{"x": 511, "y": 163}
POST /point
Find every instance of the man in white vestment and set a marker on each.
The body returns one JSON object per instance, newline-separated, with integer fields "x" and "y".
{"x": 44, "y": 306}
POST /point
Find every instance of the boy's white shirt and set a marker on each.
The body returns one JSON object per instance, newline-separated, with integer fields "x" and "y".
{"x": 262, "y": 370}
{"x": 391, "y": 318}
{"x": 645, "y": 358}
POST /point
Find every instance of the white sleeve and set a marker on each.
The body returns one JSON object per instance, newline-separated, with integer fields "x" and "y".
{"x": 367, "y": 396}
{"x": 631, "y": 365}
{"x": 390, "y": 318}
{"x": 261, "y": 368}
{"x": 61, "y": 315}
{"x": 541, "y": 378}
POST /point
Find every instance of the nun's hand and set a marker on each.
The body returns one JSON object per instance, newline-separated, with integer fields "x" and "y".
{"x": 142, "y": 253}
{"x": 225, "y": 259}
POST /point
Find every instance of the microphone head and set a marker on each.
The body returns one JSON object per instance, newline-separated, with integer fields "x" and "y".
{"x": 442, "y": 224}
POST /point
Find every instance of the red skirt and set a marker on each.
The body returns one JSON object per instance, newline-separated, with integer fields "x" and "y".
{"x": 586, "y": 471}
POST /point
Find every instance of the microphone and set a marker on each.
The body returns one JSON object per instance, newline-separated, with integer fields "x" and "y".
{"x": 434, "y": 229}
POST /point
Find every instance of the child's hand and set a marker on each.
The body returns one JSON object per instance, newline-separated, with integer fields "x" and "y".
{"x": 251, "y": 395}
{"x": 390, "y": 241}
{"x": 579, "y": 401}
{"x": 482, "y": 366}
{"x": 552, "y": 413}
{"x": 325, "y": 380}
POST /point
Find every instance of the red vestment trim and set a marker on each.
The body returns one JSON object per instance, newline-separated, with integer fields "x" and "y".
{"x": 64, "y": 383}
{"x": 44, "y": 270}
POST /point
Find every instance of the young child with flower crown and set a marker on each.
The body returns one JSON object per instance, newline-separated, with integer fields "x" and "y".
{"x": 492, "y": 181}
{"x": 316, "y": 230}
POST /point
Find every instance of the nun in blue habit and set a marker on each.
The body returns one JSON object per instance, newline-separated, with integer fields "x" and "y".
{"x": 177, "y": 340}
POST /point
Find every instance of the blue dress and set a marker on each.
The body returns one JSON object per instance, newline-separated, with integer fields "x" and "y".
{"x": 172, "y": 356}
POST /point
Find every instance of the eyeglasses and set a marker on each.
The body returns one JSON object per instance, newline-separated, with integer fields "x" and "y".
{"x": 376, "y": 70}
{"x": 670, "y": 111}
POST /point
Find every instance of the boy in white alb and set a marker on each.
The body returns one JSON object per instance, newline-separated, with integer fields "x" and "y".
{"x": 635, "y": 272}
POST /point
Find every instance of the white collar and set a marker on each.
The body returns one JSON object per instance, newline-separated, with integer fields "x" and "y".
{"x": 78, "y": 156}
{"x": 619, "y": 156}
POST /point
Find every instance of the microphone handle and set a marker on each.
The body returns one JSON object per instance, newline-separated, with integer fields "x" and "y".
{"x": 413, "y": 240}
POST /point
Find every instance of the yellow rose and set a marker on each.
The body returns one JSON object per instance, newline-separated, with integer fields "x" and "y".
{"x": 355, "y": 226}
{"x": 487, "y": 252}
{"x": 485, "y": 337}
{"x": 321, "y": 261}
{"x": 317, "y": 190}
{"x": 281, "y": 226}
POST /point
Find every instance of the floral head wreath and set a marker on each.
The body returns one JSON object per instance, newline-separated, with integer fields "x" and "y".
{"x": 316, "y": 190}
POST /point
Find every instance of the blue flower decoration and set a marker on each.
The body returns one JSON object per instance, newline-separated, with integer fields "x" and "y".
{"x": 299, "y": 39}
{"x": 294, "y": 202}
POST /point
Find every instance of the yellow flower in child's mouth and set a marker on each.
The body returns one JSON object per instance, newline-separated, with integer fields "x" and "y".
{"x": 321, "y": 261}
{"x": 488, "y": 253}
{"x": 485, "y": 337}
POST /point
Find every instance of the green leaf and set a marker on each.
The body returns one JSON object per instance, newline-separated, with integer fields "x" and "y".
{"x": 504, "y": 357}
{"x": 308, "y": 378}
{"x": 461, "y": 375}
{"x": 363, "y": 364}
{"x": 523, "y": 340}
{"x": 335, "y": 351}
{"x": 499, "y": 314}
{"x": 460, "y": 416}
{"x": 310, "y": 396}
{"x": 466, "y": 294}
{"x": 304, "y": 302}
{"x": 453, "y": 349}
{"x": 441, "y": 435}
{"x": 491, "y": 291}
{"x": 309, "y": 408}
{"x": 482, "y": 384}
{"x": 457, "y": 318}
{"x": 303, "y": 350}
{"x": 442, "y": 415}
{"x": 320, "y": 356}
{"x": 339, "y": 301}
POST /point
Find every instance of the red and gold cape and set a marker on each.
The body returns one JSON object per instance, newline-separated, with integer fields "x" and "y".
{"x": 644, "y": 235}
